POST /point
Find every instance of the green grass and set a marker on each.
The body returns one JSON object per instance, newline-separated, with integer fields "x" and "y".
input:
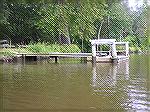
{"x": 7, "y": 52}
{"x": 41, "y": 48}
{"x": 44, "y": 48}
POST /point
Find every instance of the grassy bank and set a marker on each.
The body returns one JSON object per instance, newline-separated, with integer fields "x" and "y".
{"x": 40, "y": 48}
{"x": 46, "y": 48}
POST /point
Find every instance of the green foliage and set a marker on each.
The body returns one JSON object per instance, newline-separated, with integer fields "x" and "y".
{"x": 120, "y": 19}
{"x": 70, "y": 19}
{"x": 137, "y": 44}
{"x": 105, "y": 47}
{"x": 25, "y": 21}
{"x": 6, "y": 52}
{"x": 19, "y": 23}
{"x": 47, "y": 48}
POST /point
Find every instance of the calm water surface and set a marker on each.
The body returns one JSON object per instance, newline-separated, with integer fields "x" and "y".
{"x": 76, "y": 87}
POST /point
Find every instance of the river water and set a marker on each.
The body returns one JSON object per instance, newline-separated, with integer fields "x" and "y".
{"x": 76, "y": 87}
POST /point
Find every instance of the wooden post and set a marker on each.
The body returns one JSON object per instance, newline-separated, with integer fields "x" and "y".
{"x": 93, "y": 53}
{"x": 35, "y": 58}
{"x": 114, "y": 52}
{"x": 127, "y": 48}
{"x": 23, "y": 58}
{"x": 83, "y": 59}
{"x": 56, "y": 60}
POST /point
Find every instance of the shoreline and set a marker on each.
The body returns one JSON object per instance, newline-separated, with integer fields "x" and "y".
{"x": 8, "y": 59}
{"x": 14, "y": 58}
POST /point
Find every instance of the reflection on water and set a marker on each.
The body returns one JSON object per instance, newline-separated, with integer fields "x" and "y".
{"x": 42, "y": 86}
{"x": 105, "y": 76}
{"x": 138, "y": 87}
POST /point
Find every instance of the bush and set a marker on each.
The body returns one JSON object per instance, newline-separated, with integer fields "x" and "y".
{"x": 136, "y": 44}
{"x": 105, "y": 47}
{"x": 47, "y": 48}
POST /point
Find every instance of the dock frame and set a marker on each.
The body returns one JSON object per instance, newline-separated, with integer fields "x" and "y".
{"x": 113, "y": 52}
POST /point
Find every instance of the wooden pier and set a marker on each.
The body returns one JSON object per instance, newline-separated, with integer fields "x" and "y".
{"x": 96, "y": 56}
{"x": 55, "y": 56}
{"x": 112, "y": 54}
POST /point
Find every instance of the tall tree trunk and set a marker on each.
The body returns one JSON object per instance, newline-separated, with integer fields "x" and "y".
{"x": 99, "y": 31}
{"x": 64, "y": 37}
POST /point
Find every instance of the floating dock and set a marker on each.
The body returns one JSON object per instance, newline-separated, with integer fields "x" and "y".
{"x": 112, "y": 55}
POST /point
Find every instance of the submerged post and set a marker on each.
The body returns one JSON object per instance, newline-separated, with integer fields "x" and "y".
{"x": 23, "y": 58}
{"x": 56, "y": 59}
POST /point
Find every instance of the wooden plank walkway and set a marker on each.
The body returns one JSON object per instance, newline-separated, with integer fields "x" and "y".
{"x": 57, "y": 54}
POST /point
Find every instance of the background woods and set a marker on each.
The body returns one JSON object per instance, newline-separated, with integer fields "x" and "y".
{"x": 74, "y": 22}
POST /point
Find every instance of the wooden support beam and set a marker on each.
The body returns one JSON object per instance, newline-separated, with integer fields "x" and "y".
{"x": 23, "y": 58}
{"x": 114, "y": 52}
{"x": 93, "y": 53}
{"x": 56, "y": 59}
{"x": 102, "y": 41}
{"x": 127, "y": 48}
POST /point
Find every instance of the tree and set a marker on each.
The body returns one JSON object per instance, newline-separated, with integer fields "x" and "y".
{"x": 20, "y": 22}
{"x": 74, "y": 21}
{"x": 120, "y": 20}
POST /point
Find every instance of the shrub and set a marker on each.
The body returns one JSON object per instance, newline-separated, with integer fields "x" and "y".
{"x": 46, "y": 48}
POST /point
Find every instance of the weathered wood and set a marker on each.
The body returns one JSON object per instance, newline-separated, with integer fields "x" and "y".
{"x": 56, "y": 59}
{"x": 58, "y": 54}
{"x": 55, "y": 56}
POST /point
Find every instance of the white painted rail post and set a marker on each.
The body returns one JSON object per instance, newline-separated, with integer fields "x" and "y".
{"x": 127, "y": 48}
{"x": 114, "y": 52}
{"x": 93, "y": 53}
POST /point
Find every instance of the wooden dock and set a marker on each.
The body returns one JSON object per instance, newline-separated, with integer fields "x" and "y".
{"x": 113, "y": 53}
{"x": 56, "y": 56}
{"x": 76, "y": 55}
{"x": 34, "y": 56}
